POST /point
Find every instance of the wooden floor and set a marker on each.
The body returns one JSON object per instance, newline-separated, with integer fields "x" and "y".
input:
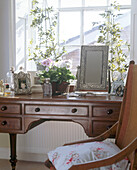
{"x": 22, "y": 165}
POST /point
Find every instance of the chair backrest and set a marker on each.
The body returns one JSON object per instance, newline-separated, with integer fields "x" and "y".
{"x": 127, "y": 127}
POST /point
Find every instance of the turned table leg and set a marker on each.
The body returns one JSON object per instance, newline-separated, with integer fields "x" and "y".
{"x": 13, "y": 159}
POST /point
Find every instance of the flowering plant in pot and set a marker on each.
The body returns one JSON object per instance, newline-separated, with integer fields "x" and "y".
{"x": 58, "y": 72}
{"x": 45, "y": 50}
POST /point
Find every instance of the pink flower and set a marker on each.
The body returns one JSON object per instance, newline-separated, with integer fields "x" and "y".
{"x": 47, "y": 62}
{"x": 100, "y": 149}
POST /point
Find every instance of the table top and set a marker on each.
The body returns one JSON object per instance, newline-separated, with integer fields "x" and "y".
{"x": 39, "y": 97}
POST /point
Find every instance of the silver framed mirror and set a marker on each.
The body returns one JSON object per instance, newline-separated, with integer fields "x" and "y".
{"x": 92, "y": 73}
{"x": 22, "y": 83}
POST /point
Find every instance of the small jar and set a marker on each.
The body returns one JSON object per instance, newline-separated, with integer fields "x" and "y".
{"x": 47, "y": 87}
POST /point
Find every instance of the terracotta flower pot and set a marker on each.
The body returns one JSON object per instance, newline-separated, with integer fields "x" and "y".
{"x": 62, "y": 87}
{"x": 58, "y": 89}
{"x": 54, "y": 88}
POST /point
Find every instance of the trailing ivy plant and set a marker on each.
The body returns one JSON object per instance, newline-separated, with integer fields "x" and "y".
{"x": 44, "y": 23}
{"x": 110, "y": 32}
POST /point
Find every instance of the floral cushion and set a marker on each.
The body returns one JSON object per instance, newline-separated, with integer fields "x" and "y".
{"x": 65, "y": 156}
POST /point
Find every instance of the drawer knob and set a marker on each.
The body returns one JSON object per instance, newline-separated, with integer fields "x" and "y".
{"x": 74, "y": 110}
{"x": 4, "y": 108}
{"x": 109, "y": 112}
{"x": 4, "y": 123}
{"x": 37, "y": 109}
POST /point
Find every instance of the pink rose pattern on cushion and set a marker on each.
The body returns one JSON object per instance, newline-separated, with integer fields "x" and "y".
{"x": 72, "y": 157}
{"x": 55, "y": 157}
{"x": 64, "y": 157}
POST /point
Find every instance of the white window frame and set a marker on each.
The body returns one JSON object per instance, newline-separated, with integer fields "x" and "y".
{"x": 80, "y": 9}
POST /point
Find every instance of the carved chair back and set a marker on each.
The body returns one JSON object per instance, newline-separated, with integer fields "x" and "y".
{"x": 127, "y": 127}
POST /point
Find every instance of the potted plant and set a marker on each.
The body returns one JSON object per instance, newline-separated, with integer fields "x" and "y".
{"x": 44, "y": 23}
{"x": 59, "y": 74}
{"x": 111, "y": 35}
{"x": 45, "y": 51}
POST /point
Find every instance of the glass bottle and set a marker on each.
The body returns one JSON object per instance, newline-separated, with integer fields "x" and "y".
{"x": 47, "y": 87}
{"x": 10, "y": 80}
{"x": 7, "y": 91}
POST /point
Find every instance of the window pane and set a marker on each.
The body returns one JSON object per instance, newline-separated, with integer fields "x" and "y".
{"x": 124, "y": 21}
{"x": 53, "y": 3}
{"x": 91, "y": 31}
{"x": 71, "y": 3}
{"x": 95, "y": 2}
{"x": 125, "y": 2}
{"x": 21, "y": 8}
{"x": 70, "y": 27}
{"x": 73, "y": 54}
{"x": 21, "y": 26}
{"x": 91, "y": 26}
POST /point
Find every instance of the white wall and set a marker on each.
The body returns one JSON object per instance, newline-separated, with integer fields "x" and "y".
{"x": 6, "y": 42}
{"x": 4, "y": 37}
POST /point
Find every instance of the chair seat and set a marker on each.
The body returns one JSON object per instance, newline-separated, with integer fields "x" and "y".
{"x": 65, "y": 156}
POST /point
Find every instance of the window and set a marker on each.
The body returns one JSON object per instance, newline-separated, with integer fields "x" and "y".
{"x": 76, "y": 26}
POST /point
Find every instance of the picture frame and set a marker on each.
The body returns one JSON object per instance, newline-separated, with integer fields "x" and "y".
{"x": 22, "y": 83}
{"x": 117, "y": 88}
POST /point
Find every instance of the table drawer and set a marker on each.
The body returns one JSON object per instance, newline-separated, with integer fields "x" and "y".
{"x": 10, "y": 123}
{"x": 10, "y": 108}
{"x": 57, "y": 110}
{"x": 106, "y": 111}
{"x": 98, "y": 127}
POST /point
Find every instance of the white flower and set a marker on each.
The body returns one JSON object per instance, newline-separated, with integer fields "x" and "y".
{"x": 47, "y": 69}
{"x": 64, "y": 63}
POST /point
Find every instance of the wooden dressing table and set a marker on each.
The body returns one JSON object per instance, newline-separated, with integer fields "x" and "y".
{"x": 21, "y": 113}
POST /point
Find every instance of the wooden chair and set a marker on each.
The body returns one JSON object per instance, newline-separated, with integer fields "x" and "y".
{"x": 125, "y": 130}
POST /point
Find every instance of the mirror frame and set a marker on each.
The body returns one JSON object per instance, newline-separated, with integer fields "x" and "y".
{"x": 81, "y": 85}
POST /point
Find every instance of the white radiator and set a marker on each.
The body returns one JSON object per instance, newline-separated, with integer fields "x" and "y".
{"x": 34, "y": 145}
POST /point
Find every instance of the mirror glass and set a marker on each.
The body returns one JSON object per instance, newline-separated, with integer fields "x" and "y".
{"x": 92, "y": 74}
